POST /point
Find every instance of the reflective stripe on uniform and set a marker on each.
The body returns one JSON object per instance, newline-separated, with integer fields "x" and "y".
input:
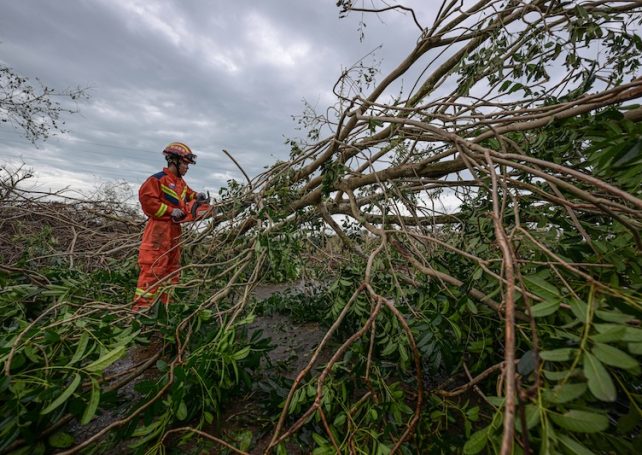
{"x": 144, "y": 293}
{"x": 169, "y": 191}
{"x": 183, "y": 194}
{"x": 161, "y": 210}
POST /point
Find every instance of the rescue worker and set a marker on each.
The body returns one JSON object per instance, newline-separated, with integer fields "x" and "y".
{"x": 164, "y": 197}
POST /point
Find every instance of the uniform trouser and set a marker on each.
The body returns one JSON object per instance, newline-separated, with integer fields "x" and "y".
{"x": 156, "y": 264}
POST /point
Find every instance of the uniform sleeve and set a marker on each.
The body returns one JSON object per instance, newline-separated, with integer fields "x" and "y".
{"x": 150, "y": 197}
{"x": 190, "y": 194}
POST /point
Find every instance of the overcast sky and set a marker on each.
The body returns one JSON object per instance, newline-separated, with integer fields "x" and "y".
{"x": 213, "y": 74}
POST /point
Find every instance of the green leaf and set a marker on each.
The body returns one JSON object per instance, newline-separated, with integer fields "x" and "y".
{"x": 630, "y": 157}
{"x": 545, "y": 308}
{"x": 564, "y": 393}
{"x": 125, "y": 338}
{"x": 516, "y": 86}
{"x": 18, "y": 361}
{"x": 294, "y": 402}
{"x": 181, "y": 413}
{"x": 527, "y": 363}
{"x": 148, "y": 429}
{"x": 31, "y": 354}
{"x": 61, "y": 440}
{"x": 559, "y": 375}
{"x": 477, "y": 442}
{"x": 205, "y": 315}
{"x": 51, "y": 336}
{"x": 599, "y": 381}
{"x": 557, "y": 355}
{"x": 241, "y": 354}
{"x": 339, "y": 420}
{"x": 150, "y": 432}
{"x": 608, "y": 332}
{"x": 581, "y": 421}
{"x": 635, "y": 348}
{"x": 80, "y": 348}
{"x": 632, "y": 334}
{"x": 628, "y": 421}
{"x": 456, "y": 329}
{"x": 106, "y": 360}
{"x": 612, "y": 316}
{"x": 498, "y": 402}
{"x": 471, "y": 306}
{"x": 575, "y": 447}
{"x": 320, "y": 440}
{"x": 94, "y": 399}
{"x": 579, "y": 309}
{"x": 244, "y": 439}
{"x": 505, "y": 85}
{"x": 613, "y": 356}
{"x": 389, "y": 349}
{"x": 541, "y": 287}
{"x": 71, "y": 388}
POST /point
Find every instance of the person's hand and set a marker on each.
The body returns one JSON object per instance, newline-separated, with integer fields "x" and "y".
{"x": 177, "y": 214}
{"x": 202, "y": 197}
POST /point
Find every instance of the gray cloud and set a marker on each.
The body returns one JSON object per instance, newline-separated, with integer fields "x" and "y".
{"x": 212, "y": 74}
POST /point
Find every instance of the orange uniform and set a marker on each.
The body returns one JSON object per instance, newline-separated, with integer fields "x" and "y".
{"x": 160, "y": 252}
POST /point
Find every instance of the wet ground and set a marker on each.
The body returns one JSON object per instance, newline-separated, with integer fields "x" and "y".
{"x": 141, "y": 357}
{"x": 245, "y": 417}
{"x": 294, "y": 344}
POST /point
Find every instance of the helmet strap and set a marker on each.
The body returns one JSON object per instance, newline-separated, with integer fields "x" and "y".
{"x": 174, "y": 161}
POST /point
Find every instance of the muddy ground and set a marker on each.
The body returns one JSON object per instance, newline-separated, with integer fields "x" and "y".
{"x": 244, "y": 417}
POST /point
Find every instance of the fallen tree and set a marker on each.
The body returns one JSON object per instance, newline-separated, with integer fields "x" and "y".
{"x": 490, "y": 280}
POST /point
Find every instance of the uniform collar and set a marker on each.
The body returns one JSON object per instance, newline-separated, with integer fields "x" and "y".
{"x": 172, "y": 177}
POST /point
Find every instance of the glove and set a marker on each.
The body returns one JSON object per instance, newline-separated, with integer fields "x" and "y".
{"x": 202, "y": 197}
{"x": 177, "y": 214}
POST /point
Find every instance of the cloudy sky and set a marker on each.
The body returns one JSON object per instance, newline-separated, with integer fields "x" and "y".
{"x": 213, "y": 74}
